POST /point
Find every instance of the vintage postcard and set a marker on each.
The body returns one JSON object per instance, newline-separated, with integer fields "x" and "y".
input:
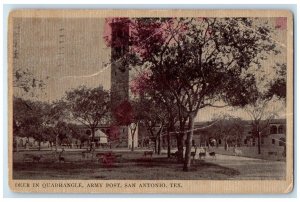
{"x": 151, "y": 101}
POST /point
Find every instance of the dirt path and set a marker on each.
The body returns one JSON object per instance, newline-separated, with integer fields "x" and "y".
{"x": 251, "y": 168}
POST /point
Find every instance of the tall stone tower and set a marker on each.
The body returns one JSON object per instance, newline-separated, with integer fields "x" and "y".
{"x": 119, "y": 68}
{"x": 120, "y": 73}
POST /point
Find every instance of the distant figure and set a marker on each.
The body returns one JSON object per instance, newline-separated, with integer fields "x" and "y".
{"x": 193, "y": 154}
{"x": 27, "y": 145}
{"x": 195, "y": 148}
{"x": 202, "y": 153}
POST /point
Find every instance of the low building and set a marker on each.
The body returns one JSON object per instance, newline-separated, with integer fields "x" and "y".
{"x": 273, "y": 135}
{"x": 29, "y": 142}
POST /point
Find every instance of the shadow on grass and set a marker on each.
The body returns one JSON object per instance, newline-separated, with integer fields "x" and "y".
{"x": 197, "y": 165}
{"x": 124, "y": 168}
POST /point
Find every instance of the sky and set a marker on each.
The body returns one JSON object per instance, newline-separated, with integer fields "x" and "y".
{"x": 66, "y": 53}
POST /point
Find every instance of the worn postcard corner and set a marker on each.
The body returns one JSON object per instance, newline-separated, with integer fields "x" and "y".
{"x": 150, "y": 101}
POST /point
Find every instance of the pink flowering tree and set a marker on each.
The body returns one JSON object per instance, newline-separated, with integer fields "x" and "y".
{"x": 129, "y": 113}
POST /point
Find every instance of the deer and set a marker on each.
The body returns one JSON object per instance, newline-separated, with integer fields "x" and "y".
{"x": 60, "y": 158}
{"x": 237, "y": 151}
{"x": 150, "y": 153}
{"x": 202, "y": 153}
{"x": 174, "y": 155}
{"x": 34, "y": 158}
{"x": 213, "y": 155}
{"x": 99, "y": 155}
{"x": 84, "y": 154}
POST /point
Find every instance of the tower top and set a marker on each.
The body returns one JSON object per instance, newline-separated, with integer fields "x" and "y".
{"x": 120, "y": 33}
{"x": 120, "y": 20}
{"x": 119, "y": 66}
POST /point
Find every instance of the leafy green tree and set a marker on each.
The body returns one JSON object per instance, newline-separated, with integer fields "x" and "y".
{"x": 30, "y": 119}
{"x": 89, "y": 106}
{"x": 161, "y": 111}
{"x": 25, "y": 82}
{"x": 228, "y": 129}
{"x": 155, "y": 119}
{"x": 200, "y": 60}
{"x": 260, "y": 115}
{"x": 278, "y": 86}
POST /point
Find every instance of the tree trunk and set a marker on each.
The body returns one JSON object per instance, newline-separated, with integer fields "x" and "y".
{"x": 132, "y": 142}
{"x": 17, "y": 145}
{"x": 39, "y": 145}
{"x": 159, "y": 141}
{"x": 132, "y": 131}
{"x": 225, "y": 144}
{"x": 158, "y": 145}
{"x": 56, "y": 142}
{"x": 180, "y": 147}
{"x": 180, "y": 144}
{"x": 258, "y": 142}
{"x": 187, "y": 160}
{"x": 169, "y": 143}
{"x": 93, "y": 138}
{"x": 155, "y": 145}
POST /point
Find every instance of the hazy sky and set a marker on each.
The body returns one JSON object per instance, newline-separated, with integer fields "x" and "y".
{"x": 71, "y": 52}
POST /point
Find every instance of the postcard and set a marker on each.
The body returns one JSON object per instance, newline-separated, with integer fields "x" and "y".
{"x": 151, "y": 101}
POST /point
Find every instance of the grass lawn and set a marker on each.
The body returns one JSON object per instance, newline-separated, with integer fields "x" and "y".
{"x": 133, "y": 166}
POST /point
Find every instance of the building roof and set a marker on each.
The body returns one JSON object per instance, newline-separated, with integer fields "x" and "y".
{"x": 99, "y": 133}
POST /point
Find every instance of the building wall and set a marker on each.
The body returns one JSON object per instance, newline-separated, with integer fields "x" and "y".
{"x": 273, "y": 138}
{"x": 24, "y": 142}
